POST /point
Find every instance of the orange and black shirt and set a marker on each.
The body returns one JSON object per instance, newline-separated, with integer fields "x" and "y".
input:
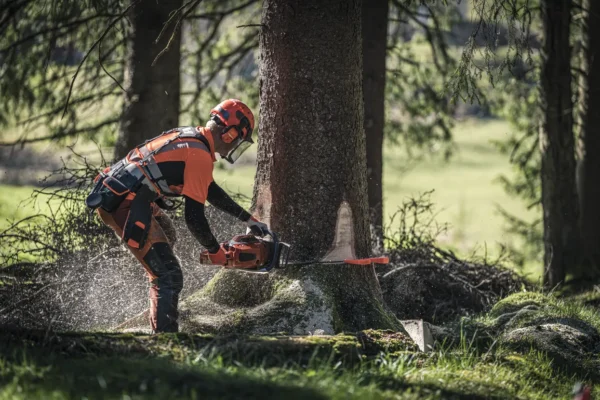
{"x": 187, "y": 166}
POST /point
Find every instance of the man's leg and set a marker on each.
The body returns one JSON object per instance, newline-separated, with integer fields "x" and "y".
{"x": 162, "y": 267}
{"x": 166, "y": 224}
{"x": 165, "y": 287}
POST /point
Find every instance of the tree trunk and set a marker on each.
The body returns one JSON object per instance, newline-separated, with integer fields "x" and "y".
{"x": 589, "y": 142}
{"x": 374, "y": 41}
{"x": 152, "y": 92}
{"x": 559, "y": 196}
{"x": 311, "y": 182}
{"x": 311, "y": 155}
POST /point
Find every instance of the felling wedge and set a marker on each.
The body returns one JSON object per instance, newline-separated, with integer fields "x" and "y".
{"x": 255, "y": 254}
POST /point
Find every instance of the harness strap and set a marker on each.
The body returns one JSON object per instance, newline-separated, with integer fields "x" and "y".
{"x": 139, "y": 167}
{"x": 145, "y": 158}
{"x": 158, "y": 177}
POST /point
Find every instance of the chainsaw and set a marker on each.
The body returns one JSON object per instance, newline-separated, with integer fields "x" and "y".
{"x": 263, "y": 254}
{"x": 253, "y": 253}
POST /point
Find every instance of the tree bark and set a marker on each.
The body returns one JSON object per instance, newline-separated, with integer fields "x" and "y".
{"x": 312, "y": 153}
{"x": 559, "y": 195}
{"x": 151, "y": 102}
{"x": 588, "y": 172}
{"x": 374, "y": 42}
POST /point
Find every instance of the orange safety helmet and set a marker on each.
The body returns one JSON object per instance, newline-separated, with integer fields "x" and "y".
{"x": 238, "y": 120}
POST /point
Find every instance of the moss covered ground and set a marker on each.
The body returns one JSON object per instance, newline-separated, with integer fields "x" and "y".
{"x": 370, "y": 364}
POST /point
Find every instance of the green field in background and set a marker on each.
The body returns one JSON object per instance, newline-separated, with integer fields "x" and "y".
{"x": 16, "y": 203}
{"x": 466, "y": 192}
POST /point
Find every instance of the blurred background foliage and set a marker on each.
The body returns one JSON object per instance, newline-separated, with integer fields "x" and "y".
{"x": 460, "y": 107}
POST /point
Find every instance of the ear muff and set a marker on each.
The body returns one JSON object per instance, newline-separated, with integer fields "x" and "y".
{"x": 230, "y": 135}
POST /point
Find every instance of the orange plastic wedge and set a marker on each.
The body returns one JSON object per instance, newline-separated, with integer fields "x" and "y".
{"x": 368, "y": 261}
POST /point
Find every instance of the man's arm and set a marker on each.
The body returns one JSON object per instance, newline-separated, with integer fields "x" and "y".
{"x": 220, "y": 199}
{"x": 198, "y": 224}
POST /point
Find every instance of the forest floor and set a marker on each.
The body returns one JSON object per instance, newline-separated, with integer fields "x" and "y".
{"x": 527, "y": 346}
{"x": 476, "y": 358}
{"x": 466, "y": 191}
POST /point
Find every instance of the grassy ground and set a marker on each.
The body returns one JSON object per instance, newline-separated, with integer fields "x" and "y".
{"x": 15, "y": 204}
{"x": 373, "y": 365}
{"x": 447, "y": 376}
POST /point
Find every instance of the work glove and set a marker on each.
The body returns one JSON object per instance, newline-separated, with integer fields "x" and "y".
{"x": 256, "y": 227}
{"x": 218, "y": 258}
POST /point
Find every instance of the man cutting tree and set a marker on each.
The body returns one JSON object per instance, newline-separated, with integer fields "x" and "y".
{"x": 129, "y": 196}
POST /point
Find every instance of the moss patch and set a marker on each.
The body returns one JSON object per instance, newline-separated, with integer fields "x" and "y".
{"x": 234, "y": 288}
{"x": 264, "y": 350}
{"x": 517, "y": 301}
{"x": 297, "y": 301}
{"x": 96, "y": 366}
{"x": 565, "y": 330}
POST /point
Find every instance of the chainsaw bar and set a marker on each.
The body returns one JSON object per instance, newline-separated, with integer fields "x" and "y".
{"x": 353, "y": 261}
{"x": 252, "y": 254}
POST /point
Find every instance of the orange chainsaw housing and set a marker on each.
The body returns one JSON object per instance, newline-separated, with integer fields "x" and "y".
{"x": 244, "y": 251}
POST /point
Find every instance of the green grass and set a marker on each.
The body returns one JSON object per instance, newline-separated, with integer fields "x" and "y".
{"x": 53, "y": 368}
{"x": 40, "y": 364}
{"x": 105, "y": 377}
{"x": 15, "y": 204}
{"x": 465, "y": 189}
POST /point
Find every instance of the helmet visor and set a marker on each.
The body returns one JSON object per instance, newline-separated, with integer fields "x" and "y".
{"x": 238, "y": 150}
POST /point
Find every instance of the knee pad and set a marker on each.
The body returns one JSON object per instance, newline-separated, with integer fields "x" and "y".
{"x": 165, "y": 266}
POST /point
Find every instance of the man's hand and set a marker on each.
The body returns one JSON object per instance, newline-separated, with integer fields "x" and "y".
{"x": 256, "y": 227}
{"x": 218, "y": 258}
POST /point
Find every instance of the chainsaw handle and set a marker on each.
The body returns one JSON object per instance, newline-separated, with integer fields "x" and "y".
{"x": 367, "y": 261}
{"x": 275, "y": 259}
{"x": 272, "y": 234}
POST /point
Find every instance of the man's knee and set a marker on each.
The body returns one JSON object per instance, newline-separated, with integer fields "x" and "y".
{"x": 165, "y": 267}
{"x": 167, "y": 226}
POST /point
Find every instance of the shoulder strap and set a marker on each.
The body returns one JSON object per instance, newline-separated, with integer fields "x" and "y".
{"x": 192, "y": 132}
{"x": 184, "y": 132}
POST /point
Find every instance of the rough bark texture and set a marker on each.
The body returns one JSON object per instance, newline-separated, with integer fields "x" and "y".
{"x": 589, "y": 141}
{"x": 312, "y": 154}
{"x": 374, "y": 34}
{"x": 152, "y": 92}
{"x": 559, "y": 195}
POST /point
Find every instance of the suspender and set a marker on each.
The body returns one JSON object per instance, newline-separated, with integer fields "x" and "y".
{"x": 137, "y": 173}
{"x": 148, "y": 164}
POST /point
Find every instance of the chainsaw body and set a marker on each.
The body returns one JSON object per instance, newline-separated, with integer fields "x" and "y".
{"x": 251, "y": 252}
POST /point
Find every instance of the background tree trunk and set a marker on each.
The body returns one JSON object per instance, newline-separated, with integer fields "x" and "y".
{"x": 374, "y": 35}
{"x": 559, "y": 196}
{"x": 589, "y": 141}
{"x": 152, "y": 92}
